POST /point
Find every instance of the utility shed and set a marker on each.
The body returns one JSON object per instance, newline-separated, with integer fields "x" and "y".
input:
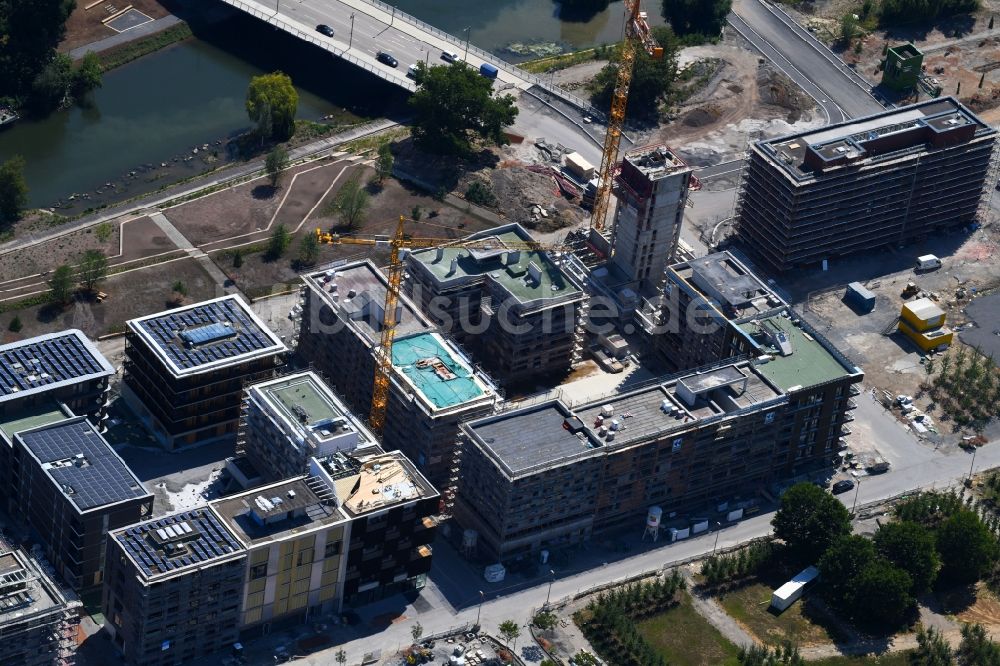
{"x": 860, "y": 297}
{"x": 922, "y": 314}
{"x": 790, "y": 592}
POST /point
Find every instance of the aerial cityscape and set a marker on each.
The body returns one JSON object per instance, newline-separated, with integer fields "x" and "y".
{"x": 532, "y": 332}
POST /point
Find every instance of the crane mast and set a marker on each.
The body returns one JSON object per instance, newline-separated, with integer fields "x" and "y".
{"x": 637, "y": 35}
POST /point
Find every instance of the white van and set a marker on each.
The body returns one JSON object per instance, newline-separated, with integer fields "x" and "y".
{"x": 928, "y": 262}
{"x": 449, "y": 56}
{"x": 411, "y": 71}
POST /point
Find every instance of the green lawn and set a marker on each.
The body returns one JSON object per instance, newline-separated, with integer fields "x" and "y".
{"x": 685, "y": 638}
{"x": 749, "y": 606}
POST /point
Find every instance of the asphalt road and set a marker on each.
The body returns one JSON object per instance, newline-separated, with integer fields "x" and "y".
{"x": 803, "y": 59}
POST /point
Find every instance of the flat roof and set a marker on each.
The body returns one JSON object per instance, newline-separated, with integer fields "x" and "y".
{"x": 526, "y": 275}
{"x": 722, "y": 278}
{"x": 25, "y": 590}
{"x": 49, "y": 361}
{"x": 381, "y": 481}
{"x": 308, "y": 407}
{"x": 655, "y": 162}
{"x": 437, "y": 371}
{"x": 81, "y": 464}
{"x": 273, "y": 512}
{"x": 31, "y": 417}
{"x": 206, "y": 335}
{"x": 924, "y": 309}
{"x": 849, "y": 140}
{"x": 808, "y": 361}
{"x": 179, "y": 541}
{"x": 357, "y": 290}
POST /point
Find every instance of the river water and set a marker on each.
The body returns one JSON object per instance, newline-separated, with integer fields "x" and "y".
{"x": 140, "y": 130}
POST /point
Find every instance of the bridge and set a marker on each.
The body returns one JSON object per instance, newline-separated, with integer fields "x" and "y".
{"x": 364, "y": 27}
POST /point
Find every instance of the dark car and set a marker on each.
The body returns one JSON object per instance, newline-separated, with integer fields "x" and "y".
{"x": 324, "y": 29}
{"x": 842, "y": 486}
{"x": 386, "y": 58}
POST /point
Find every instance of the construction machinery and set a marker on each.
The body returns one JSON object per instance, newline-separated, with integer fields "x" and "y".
{"x": 398, "y": 241}
{"x": 637, "y": 35}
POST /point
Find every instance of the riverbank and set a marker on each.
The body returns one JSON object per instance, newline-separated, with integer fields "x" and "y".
{"x": 117, "y": 56}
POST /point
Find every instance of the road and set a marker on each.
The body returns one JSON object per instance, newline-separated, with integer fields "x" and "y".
{"x": 839, "y": 91}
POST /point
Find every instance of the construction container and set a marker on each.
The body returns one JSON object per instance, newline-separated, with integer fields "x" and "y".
{"x": 934, "y": 339}
{"x": 581, "y": 169}
{"x": 922, "y": 314}
{"x": 792, "y": 591}
{"x": 860, "y": 297}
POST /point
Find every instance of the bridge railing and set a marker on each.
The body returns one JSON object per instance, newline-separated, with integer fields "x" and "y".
{"x": 502, "y": 64}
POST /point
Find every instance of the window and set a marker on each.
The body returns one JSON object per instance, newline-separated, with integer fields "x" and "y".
{"x": 332, "y": 549}
{"x": 258, "y": 571}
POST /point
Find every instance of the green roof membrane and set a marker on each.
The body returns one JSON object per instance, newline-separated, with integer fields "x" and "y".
{"x": 302, "y": 393}
{"x": 430, "y": 367}
{"x": 31, "y": 417}
{"x": 809, "y": 362}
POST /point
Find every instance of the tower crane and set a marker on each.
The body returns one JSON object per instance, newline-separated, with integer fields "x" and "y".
{"x": 637, "y": 35}
{"x": 399, "y": 240}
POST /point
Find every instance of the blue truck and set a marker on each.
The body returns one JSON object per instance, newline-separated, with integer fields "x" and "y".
{"x": 488, "y": 70}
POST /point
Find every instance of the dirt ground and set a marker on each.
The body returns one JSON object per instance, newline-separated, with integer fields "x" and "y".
{"x": 84, "y": 25}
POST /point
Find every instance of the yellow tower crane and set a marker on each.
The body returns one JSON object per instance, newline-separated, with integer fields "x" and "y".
{"x": 396, "y": 242}
{"x": 637, "y": 35}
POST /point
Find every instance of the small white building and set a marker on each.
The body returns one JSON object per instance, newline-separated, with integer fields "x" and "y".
{"x": 790, "y": 592}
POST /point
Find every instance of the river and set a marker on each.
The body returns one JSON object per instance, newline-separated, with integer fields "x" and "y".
{"x": 141, "y": 129}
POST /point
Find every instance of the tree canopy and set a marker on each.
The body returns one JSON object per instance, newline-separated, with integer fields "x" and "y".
{"x": 809, "y": 521}
{"x": 897, "y": 12}
{"x": 651, "y": 79}
{"x": 61, "y": 285}
{"x": 761, "y": 655}
{"x": 275, "y": 163}
{"x": 93, "y": 269}
{"x": 910, "y": 547}
{"x": 454, "y": 108}
{"x": 30, "y": 30}
{"x": 13, "y": 190}
{"x": 976, "y": 648}
{"x": 882, "y": 595}
{"x": 705, "y": 18}
{"x": 841, "y": 565}
{"x": 932, "y": 649}
{"x": 272, "y": 103}
{"x": 967, "y": 547}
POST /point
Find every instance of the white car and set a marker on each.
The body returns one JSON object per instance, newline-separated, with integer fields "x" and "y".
{"x": 449, "y": 56}
{"x": 411, "y": 71}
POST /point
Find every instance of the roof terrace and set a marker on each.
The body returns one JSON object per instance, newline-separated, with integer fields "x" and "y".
{"x": 438, "y": 372}
{"x": 724, "y": 280}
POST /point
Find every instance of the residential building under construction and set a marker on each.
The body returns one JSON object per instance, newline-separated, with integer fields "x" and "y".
{"x": 893, "y": 177}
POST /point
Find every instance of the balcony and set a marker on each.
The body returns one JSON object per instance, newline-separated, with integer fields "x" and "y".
{"x": 853, "y": 390}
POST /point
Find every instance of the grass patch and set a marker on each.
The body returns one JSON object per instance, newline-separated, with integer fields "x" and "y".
{"x": 799, "y": 624}
{"x": 564, "y": 60}
{"x": 369, "y": 143}
{"x": 119, "y": 55}
{"x": 685, "y": 638}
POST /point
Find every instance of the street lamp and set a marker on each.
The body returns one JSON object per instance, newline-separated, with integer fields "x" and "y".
{"x": 718, "y": 533}
{"x": 468, "y": 31}
{"x": 551, "y": 581}
{"x": 857, "y": 491}
{"x": 351, "y": 38}
{"x": 482, "y": 597}
{"x": 973, "y": 463}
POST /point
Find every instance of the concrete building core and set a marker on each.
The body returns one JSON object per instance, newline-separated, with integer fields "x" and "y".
{"x": 893, "y": 177}
{"x": 652, "y": 190}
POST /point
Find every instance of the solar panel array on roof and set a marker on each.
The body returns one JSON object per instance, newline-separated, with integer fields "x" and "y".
{"x": 206, "y": 333}
{"x": 166, "y": 544}
{"x": 82, "y": 464}
{"x": 49, "y": 360}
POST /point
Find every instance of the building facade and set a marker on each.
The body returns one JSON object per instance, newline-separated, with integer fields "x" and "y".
{"x": 70, "y": 487}
{"x": 894, "y": 177}
{"x": 185, "y": 369}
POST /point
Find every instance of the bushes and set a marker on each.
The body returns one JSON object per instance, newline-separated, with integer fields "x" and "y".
{"x": 480, "y": 193}
{"x": 745, "y": 562}
{"x": 895, "y": 12}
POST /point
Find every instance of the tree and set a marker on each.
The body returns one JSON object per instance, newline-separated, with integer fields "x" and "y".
{"x": 510, "y": 630}
{"x": 29, "y": 32}
{"x": 93, "y": 269}
{"x": 545, "y": 621}
{"x": 341, "y": 657}
{"x": 932, "y": 649}
{"x": 276, "y": 162}
{"x": 237, "y": 259}
{"x": 15, "y": 325}
{"x": 976, "y": 648}
{"x": 901, "y": 12}
{"x": 384, "y": 162}
{"x": 848, "y": 27}
{"x": 351, "y": 203}
{"x": 967, "y": 547}
{"x": 272, "y": 102}
{"x": 840, "y": 566}
{"x": 61, "y": 285}
{"x": 651, "y": 79}
{"x": 809, "y": 521}
{"x": 454, "y": 108}
{"x": 87, "y": 76}
{"x": 51, "y": 85}
{"x": 760, "y": 655}
{"x": 308, "y": 250}
{"x": 882, "y": 595}
{"x": 417, "y": 630}
{"x": 280, "y": 240}
{"x": 179, "y": 288}
{"x": 705, "y": 18}
{"x": 910, "y": 547}
{"x": 13, "y": 190}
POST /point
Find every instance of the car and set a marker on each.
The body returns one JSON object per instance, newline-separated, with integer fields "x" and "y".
{"x": 412, "y": 70}
{"x": 386, "y": 58}
{"x": 842, "y": 486}
{"x": 449, "y": 56}
{"x": 324, "y": 29}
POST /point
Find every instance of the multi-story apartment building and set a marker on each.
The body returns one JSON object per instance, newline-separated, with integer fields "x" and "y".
{"x": 517, "y": 310}
{"x": 893, "y": 177}
{"x": 70, "y": 487}
{"x": 185, "y": 368}
{"x": 38, "y": 622}
{"x": 172, "y": 588}
{"x": 293, "y": 418}
{"x": 690, "y": 323}
{"x": 433, "y": 386}
{"x": 555, "y": 473}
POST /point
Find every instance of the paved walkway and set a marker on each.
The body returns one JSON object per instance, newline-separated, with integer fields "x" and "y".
{"x": 144, "y": 30}
{"x": 959, "y": 41}
{"x": 710, "y": 609}
{"x": 181, "y": 241}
